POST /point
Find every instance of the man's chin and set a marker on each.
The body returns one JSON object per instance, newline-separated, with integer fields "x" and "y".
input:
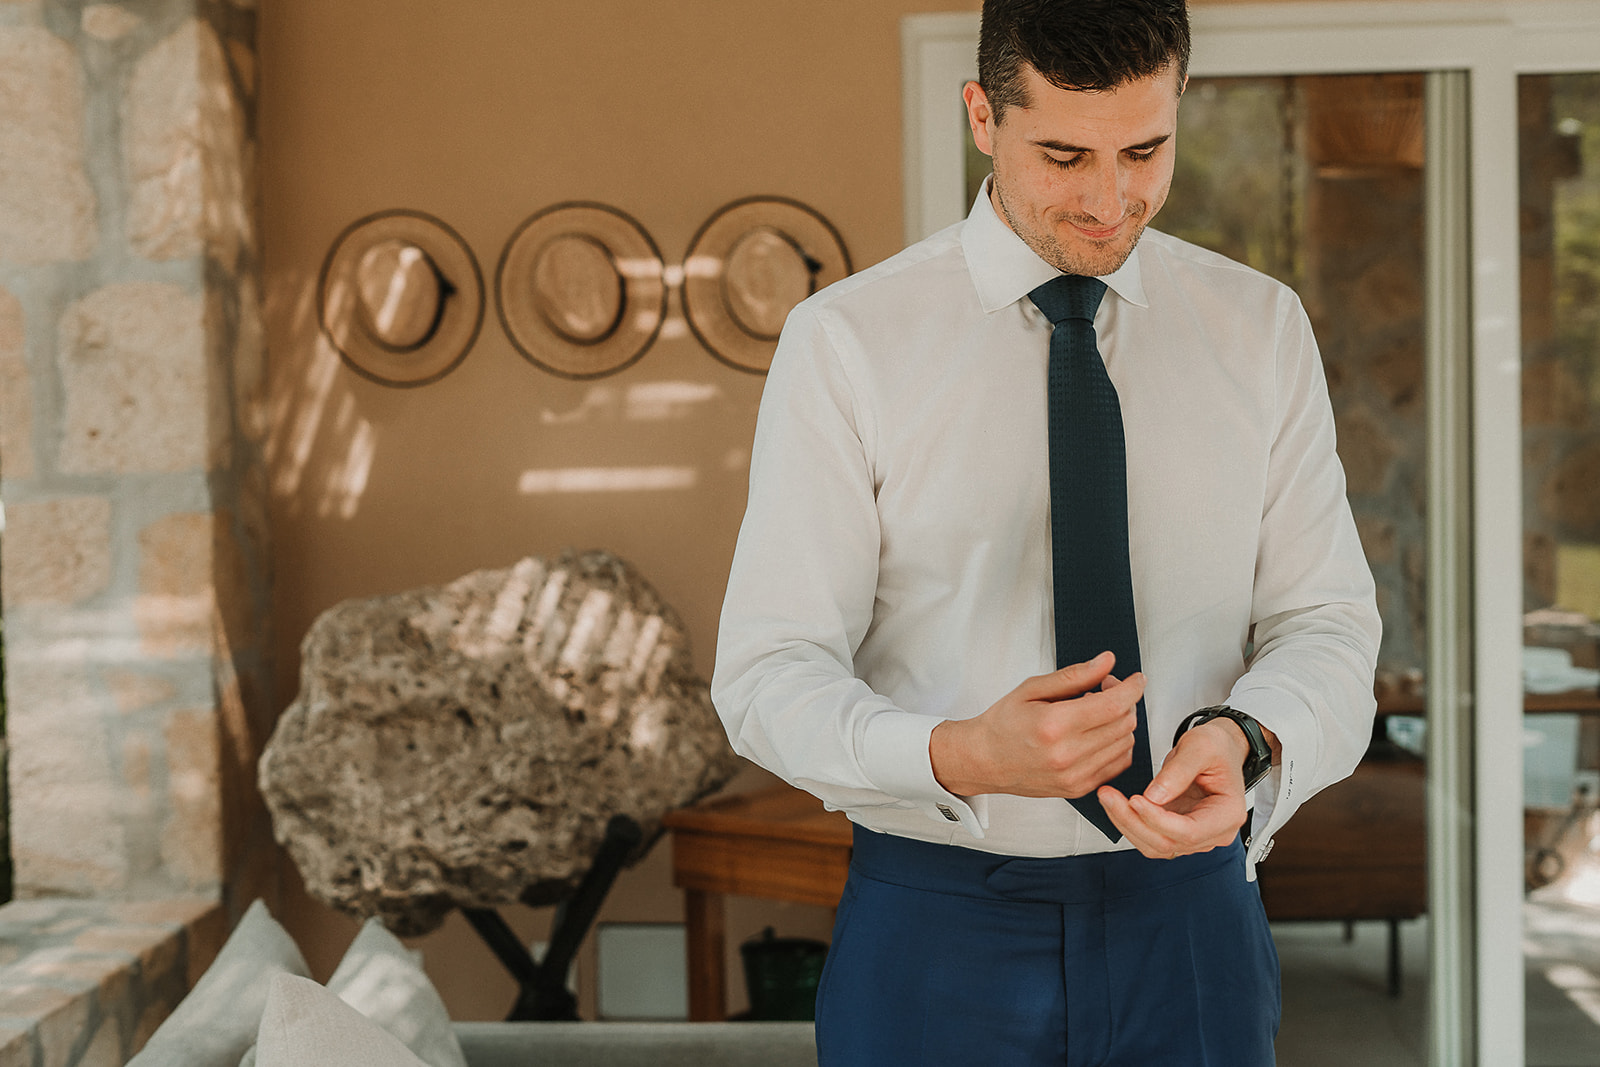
{"x": 1091, "y": 259}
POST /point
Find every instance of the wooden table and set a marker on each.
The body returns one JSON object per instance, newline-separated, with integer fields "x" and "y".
{"x": 778, "y": 844}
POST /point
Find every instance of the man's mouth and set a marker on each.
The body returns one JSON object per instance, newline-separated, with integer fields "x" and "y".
{"x": 1098, "y": 233}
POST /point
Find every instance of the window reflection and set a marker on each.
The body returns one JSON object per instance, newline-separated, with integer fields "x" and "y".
{"x": 1559, "y": 130}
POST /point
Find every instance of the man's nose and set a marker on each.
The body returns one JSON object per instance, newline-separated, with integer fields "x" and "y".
{"x": 1104, "y": 196}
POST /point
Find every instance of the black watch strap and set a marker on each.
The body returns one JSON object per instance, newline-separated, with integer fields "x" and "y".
{"x": 1258, "y": 763}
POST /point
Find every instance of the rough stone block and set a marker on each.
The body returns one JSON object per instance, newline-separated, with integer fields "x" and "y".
{"x": 191, "y": 841}
{"x": 467, "y": 745}
{"x": 155, "y": 948}
{"x": 105, "y": 975}
{"x": 107, "y": 22}
{"x": 133, "y": 368}
{"x": 171, "y": 913}
{"x": 183, "y": 135}
{"x": 47, "y": 206}
{"x": 176, "y": 598}
{"x": 57, "y": 551}
{"x": 58, "y": 1018}
{"x": 66, "y": 825}
{"x": 105, "y": 1049}
{"x": 16, "y": 1047}
{"x": 136, "y": 762}
{"x": 16, "y": 392}
{"x": 29, "y": 913}
{"x": 21, "y": 999}
{"x": 133, "y": 691}
{"x": 58, "y": 1032}
{"x": 175, "y": 555}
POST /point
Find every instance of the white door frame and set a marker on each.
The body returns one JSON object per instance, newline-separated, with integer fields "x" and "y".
{"x": 1491, "y": 43}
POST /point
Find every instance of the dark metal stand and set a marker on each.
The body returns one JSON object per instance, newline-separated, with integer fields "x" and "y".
{"x": 542, "y": 993}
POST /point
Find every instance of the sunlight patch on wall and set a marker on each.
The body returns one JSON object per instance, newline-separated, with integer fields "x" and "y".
{"x": 645, "y": 402}
{"x": 346, "y": 479}
{"x": 318, "y": 449}
{"x": 651, "y": 401}
{"x": 606, "y": 480}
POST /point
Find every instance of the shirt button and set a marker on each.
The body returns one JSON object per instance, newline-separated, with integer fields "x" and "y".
{"x": 947, "y": 813}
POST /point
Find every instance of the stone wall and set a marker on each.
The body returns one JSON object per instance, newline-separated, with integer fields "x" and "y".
{"x": 85, "y": 983}
{"x": 134, "y": 556}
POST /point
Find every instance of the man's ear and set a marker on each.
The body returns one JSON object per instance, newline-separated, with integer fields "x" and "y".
{"x": 979, "y": 117}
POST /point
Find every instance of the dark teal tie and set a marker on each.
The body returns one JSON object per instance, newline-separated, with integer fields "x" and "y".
{"x": 1089, "y": 511}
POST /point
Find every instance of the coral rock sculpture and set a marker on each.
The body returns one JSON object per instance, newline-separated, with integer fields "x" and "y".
{"x": 465, "y": 745}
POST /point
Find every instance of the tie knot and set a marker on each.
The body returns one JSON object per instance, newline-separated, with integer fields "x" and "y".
{"x": 1069, "y": 296}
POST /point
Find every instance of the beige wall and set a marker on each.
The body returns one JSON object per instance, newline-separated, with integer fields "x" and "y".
{"x": 481, "y": 114}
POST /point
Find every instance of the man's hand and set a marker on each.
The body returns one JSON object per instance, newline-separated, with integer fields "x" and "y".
{"x": 1195, "y": 803}
{"x": 1055, "y": 735}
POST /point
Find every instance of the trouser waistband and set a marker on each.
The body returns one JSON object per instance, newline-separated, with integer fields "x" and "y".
{"x": 1085, "y": 879}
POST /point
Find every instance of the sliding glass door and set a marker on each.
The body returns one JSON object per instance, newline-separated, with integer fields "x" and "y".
{"x": 1318, "y": 180}
{"x": 1559, "y": 208}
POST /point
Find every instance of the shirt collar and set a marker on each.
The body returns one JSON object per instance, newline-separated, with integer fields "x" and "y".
{"x": 1004, "y": 269}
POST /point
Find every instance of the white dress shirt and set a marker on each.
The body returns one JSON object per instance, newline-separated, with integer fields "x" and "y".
{"x": 894, "y": 565}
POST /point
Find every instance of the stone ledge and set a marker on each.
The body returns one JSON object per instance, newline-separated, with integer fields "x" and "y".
{"x": 84, "y": 983}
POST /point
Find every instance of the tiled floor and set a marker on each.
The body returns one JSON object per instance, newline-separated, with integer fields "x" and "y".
{"x": 1337, "y": 1011}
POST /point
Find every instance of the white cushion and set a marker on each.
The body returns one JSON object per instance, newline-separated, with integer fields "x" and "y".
{"x": 218, "y": 1020}
{"x": 384, "y": 981}
{"x": 305, "y": 1025}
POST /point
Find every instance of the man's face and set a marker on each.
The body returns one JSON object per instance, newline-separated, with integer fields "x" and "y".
{"x": 1079, "y": 175}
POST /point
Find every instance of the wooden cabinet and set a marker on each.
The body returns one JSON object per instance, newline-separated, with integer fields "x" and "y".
{"x": 1357, "y": 850}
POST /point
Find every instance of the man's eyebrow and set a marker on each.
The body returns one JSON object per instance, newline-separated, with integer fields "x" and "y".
{"x": 1064, "y": 147}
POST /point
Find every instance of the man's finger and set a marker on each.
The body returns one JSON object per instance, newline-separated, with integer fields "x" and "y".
{"x": 1163, "y": 834}
{"x": 1139, "y": 833}
{"x": 1212, "y": 822}
{"x": 1182, "y": 766}
{"x": 1070, "y": 681}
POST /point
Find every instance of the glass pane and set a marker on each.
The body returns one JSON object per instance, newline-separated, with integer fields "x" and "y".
{"x": 1318, "y": 181}
{"x": 1560, "y": 212}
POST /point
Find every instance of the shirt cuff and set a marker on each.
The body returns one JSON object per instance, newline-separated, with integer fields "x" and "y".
{"x": 1279, "y": 795}
{"x": 894, "y": 755}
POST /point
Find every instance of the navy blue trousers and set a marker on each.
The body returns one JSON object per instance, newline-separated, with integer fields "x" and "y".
{"x": 947, "y": 955}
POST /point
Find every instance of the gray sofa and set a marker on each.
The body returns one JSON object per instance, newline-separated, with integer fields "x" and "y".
{"x": 255, "y": 1007}
{"x": 602, "y": 1044}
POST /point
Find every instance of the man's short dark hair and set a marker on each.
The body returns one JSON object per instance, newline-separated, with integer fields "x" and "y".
{"x": 1082, "y": 45}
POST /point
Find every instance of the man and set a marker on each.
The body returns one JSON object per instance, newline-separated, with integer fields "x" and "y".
{"x": 905, "y": 594}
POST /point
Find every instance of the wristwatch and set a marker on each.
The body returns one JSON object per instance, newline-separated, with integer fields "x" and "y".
{"x": 1258, "y": 763}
